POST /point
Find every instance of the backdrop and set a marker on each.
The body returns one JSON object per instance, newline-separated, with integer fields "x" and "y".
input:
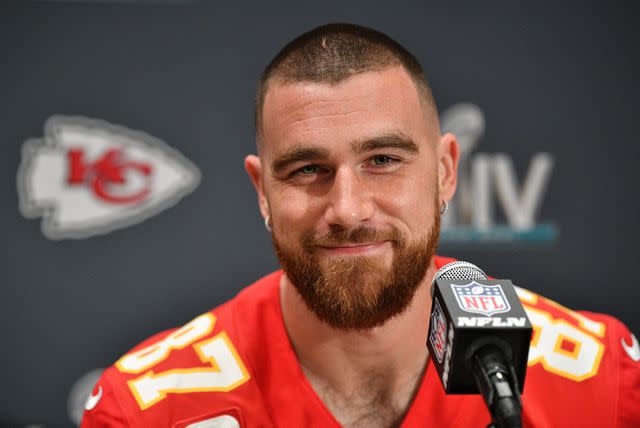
{"x": 542, "y": 96}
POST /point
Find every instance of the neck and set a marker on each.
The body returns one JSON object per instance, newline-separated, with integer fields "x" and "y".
{"x": 395, "y": 352}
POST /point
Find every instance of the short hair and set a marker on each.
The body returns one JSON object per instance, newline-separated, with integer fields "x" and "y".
{"x": 334, "y": 52}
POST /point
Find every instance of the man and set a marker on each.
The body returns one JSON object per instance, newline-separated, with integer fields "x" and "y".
{"x": 352, "y": 176}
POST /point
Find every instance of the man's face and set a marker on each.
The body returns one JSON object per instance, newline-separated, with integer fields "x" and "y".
{"x": 350, "y": 176}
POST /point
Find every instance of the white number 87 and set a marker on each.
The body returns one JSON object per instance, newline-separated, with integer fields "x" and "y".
{"x": 224, "y": 371}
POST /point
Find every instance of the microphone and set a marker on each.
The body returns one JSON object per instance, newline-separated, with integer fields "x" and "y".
{"x": 479, "y": 337}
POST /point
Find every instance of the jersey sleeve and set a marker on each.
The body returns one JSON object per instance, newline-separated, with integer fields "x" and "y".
{"x": 629, "y": 395}
{"x": 184, "y": 377}
{"x": 102, "y": 408}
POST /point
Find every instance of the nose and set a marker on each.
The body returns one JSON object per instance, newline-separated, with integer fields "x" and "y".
{"x": 349, "y": 200}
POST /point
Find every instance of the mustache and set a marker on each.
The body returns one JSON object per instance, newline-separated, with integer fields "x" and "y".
{"x": 360, "y": 235}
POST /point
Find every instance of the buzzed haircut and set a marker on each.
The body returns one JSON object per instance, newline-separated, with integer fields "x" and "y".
{"x": 331, "y": 54}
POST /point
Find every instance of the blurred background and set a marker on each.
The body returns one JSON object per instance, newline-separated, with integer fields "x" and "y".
{"x": 126, "y": 210}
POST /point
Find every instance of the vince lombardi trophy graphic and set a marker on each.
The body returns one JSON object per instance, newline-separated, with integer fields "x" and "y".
{"x": 466, "y": 122}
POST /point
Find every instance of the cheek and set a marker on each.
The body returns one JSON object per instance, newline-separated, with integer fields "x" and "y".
{"x": 410, "y": 201}
{"x": 294, "y": 212}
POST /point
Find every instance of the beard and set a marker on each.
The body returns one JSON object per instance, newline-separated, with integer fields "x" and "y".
{"x": 358, "y": 292}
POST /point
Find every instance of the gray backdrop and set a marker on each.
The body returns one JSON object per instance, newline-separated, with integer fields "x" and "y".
{"x": 548, "y": 78}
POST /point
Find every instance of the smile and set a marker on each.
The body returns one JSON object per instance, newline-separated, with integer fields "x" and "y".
{"x": 354, "y": 249}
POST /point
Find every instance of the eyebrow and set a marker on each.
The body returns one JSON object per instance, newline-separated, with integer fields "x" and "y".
{"x": 307, "y": 153}
{"x": 387, "y": 141}
{"x": 297, "y": 154}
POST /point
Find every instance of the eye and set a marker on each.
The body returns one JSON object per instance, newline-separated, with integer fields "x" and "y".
{"x": 381, "y": 160}
{"x": 305, "y": 171}
{"x": 309, "y": 169}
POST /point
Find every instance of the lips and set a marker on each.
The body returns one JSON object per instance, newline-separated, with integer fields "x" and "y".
{"x": 353, "y": 248}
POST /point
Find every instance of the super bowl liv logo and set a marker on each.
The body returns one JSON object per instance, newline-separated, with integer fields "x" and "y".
{"x": 488, "y": 181}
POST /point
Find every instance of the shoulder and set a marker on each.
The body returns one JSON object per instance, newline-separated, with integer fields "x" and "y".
{"x": 576, "y": 359}
{"x": 200, "y": 371}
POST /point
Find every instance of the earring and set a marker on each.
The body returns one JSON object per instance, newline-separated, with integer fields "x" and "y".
{"x": 444, "y": 207}
{"x": 267, "y": 223}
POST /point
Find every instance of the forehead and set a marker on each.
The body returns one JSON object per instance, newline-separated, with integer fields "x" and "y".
{"x": 362, "y": 106}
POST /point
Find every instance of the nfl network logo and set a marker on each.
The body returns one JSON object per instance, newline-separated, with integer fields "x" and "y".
{"x": 438, "y": 335}
{"x": 481, "y": 299}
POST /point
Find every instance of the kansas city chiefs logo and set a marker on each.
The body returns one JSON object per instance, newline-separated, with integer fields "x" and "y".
{"x": 87, "y": 177}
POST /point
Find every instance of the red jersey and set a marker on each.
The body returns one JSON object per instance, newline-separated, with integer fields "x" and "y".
{"x": 235, "y": 367}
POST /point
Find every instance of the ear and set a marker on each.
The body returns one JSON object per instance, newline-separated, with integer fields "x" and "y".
{"x": 448, "y": 157}
{"x": 253, "y": 167}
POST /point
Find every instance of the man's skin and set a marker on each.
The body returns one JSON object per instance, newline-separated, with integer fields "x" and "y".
{"x": 365, "y": 378}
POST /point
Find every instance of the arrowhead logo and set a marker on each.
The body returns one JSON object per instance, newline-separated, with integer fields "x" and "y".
{"x": 92, "y": 400}
{"x": 87, "y": 177}
{"x": 632, "y": 350}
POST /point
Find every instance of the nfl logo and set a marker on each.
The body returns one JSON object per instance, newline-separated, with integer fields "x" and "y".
{"x": 438, "y": 334}
{"x": 481, "y": 299}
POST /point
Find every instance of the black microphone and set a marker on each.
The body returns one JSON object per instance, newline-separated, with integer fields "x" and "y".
{"x": 479, "y": 337}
